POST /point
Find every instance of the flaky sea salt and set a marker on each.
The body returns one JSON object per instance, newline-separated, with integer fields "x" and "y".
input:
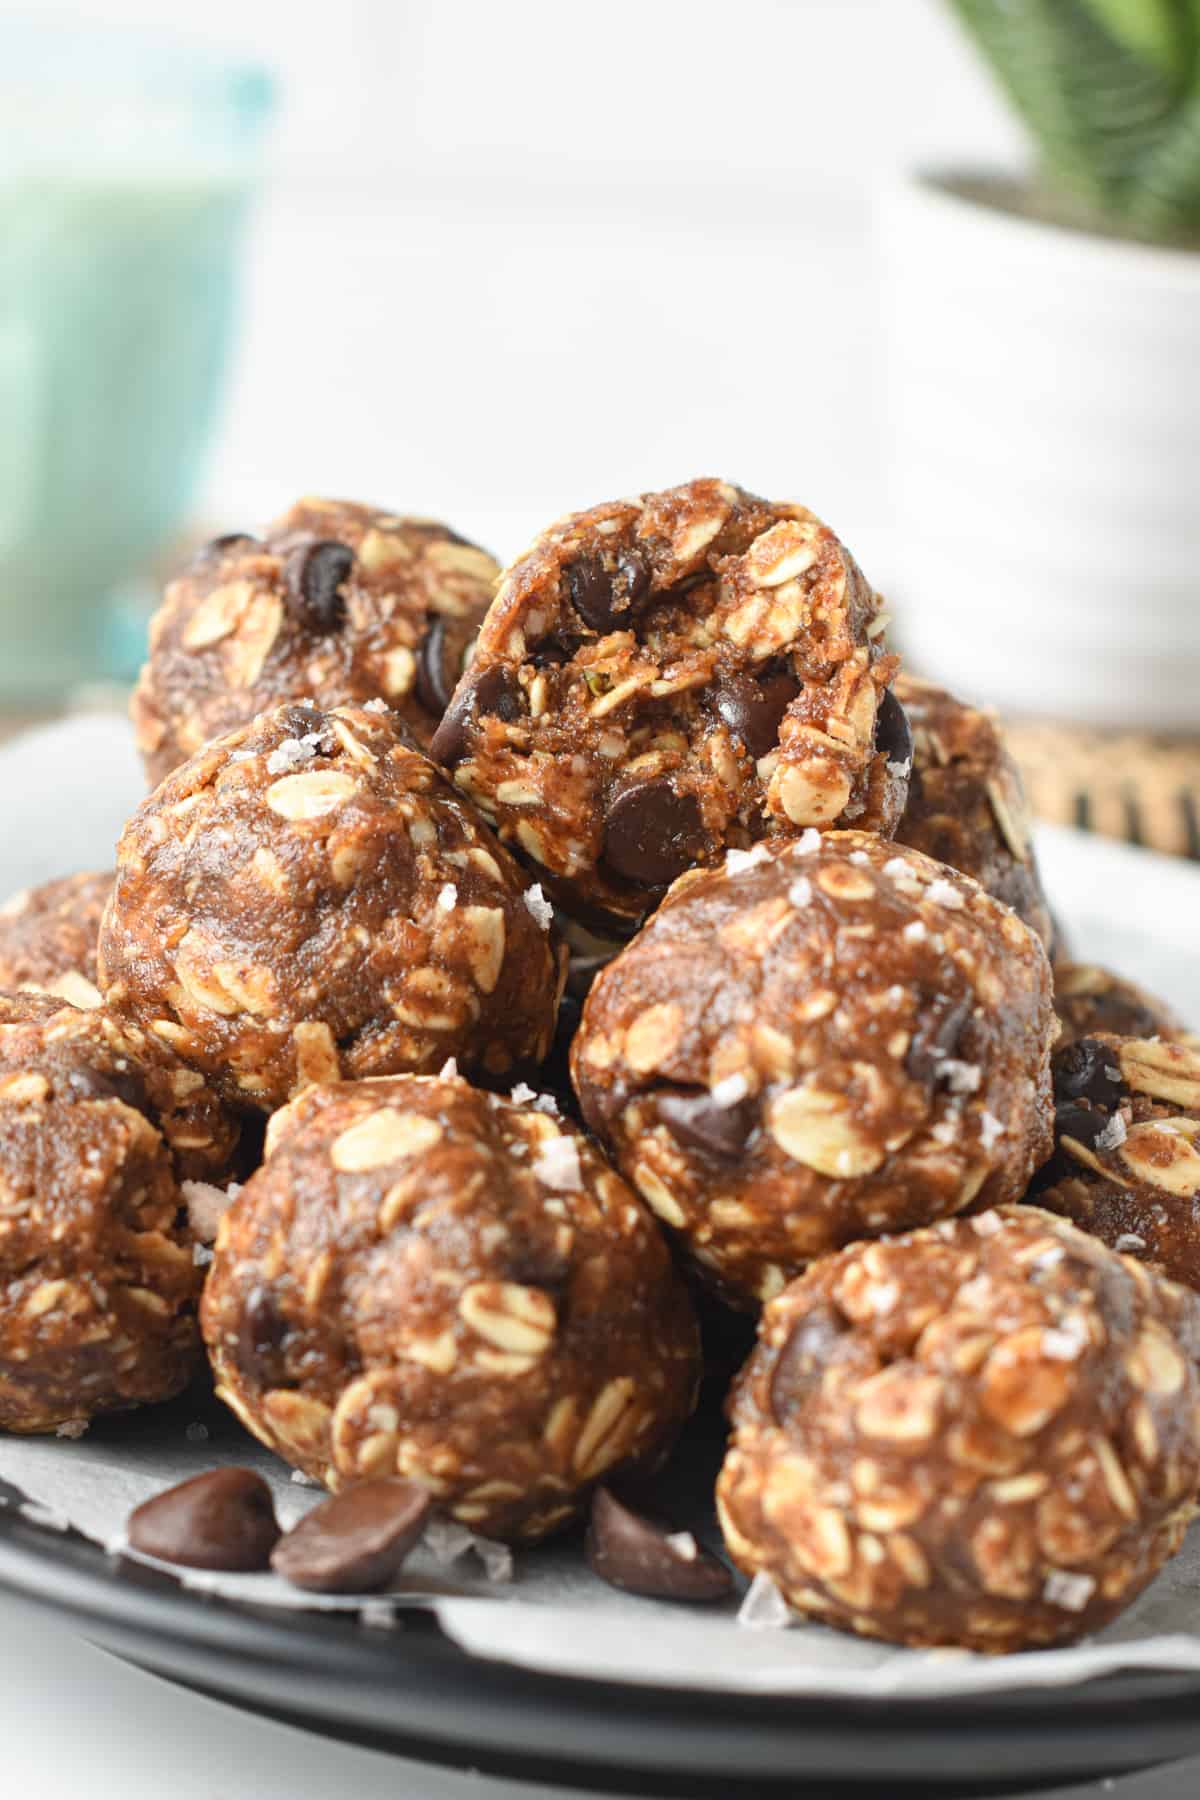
{"x": 293, "y": 753}
{"x": 447, "y": 897}
{"x": 800, "y": 893}
{"x": 537, "y": 905}
{"x": 546, "y": 1103}
{"x": 683, "y": 1544}
{"x": 1114, "y": 1133}
{"x": 1129, "y": 1241}
{"x": 303, "y": 1480}
{"x": 449, "y": 1069}
{"x": 737, "y": 860}
{"x": 808, "y": 841}
{"x": 991, "y": 1130}
{"x": 960, "y": 1077}
{"x": 898, "y": 868}
{"x": 764, "y": 1607}
{"x": 730, "y": 1091}
{"x": 1068, "y": 1589}
{"x": 205, "y": 1206}
{"x": 497, "y": 1559}
{"x": 944, "y": 893}
{"x": 915, "y": 931}
{"x": 900, "y": 771}
{"x": 379, "y": 706}
{"x": 556, "y": 1164}
{"x": 522, "y": 1094}
{"x": 1063, "y": 1343}
{"x": 71, "y": 1428}
{"x": 201, "y": 1256}
{"x": 446, "y": 1540}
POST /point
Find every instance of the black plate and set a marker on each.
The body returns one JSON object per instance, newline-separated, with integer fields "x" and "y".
{"x": 413, "y": 1691}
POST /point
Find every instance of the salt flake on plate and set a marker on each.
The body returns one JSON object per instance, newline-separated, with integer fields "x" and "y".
{"x": 764, "y": 1607}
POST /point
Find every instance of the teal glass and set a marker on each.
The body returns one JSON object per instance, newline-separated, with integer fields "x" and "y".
{"x": 125, "y": 168}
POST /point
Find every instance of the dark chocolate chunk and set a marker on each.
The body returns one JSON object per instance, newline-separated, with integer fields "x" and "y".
{"x": 355, "y": 1542}
{"x": 119, "y": 1084}
{"x": 893, "y": 735}
{"x": 605, "y": 599}
{"x": 495, "y": 690}
{"x": 804, "y": 1358}
{"x": 314, "y": 574}
{"x": 222, "y": 1520}
{"x": 753, "y": 707}
{"x": 936, "y": 1037}
{"x": 433, "y": 685}
{"x": 1083, "y": 1123}
{"x": 652, "y": 833}
{"x": 632, "y": 1552}
{"x": 1088, "y": 1070}
{"x": 696, "y": 1121}
{"x": 261, "y": 1336}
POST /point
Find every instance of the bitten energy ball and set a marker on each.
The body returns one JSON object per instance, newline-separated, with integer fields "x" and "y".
{"x": 337, "y": 603}
{"x": 309, "y": 899}
{"x": 1090, "y": 1000}
{"x": 48, "y": 938}
{"x": 91, "y": 1051}
{"x": 97, "y": 1281}
{"x": 986, "y": 1433}
{"x": 1127, "y": 1157}
{"x": 664, "y": 677}
{"x": 428, "y": 1281}
{"x": 966, "y": 806}
{"x": 818, "y": 1042}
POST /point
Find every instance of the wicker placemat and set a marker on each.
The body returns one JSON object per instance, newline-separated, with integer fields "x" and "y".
{"x": 1126, "y": 785}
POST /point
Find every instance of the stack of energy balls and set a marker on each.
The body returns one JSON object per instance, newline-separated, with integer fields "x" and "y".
{"x": 833, "y": 1069}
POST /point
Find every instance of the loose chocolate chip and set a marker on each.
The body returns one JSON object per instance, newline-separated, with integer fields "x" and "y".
{"x": 937, "y": 1036}
{"x": 893, "y": 735}
{"x": 804, "y": 1358}
{"x": 696, "y": 1121}
{"x": 222, "y": 1520}
{"x": 433, "y": 688}
{"x": 314, "y": 574}
{"x": 262, "y": 1333}
{"x": 119, "y": 1084}
{"x": 495, "y": 690}
{"x": 1088, "y": 1070}
{"x": 633, "y": 578}
{"x": 632, "y": 1552}
{"x": 1082, "y": 1123}
{"x": 652, "y": 833}
{"x": 355, "y": 1542}
{"x": 752, "y": 707}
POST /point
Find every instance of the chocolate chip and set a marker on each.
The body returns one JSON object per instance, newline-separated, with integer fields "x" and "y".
{"x": 262, "y": 1332}
{"x": 632, "y": 1552}
{"x": 804, "y": 1358}
{"x": 1082, "y": 1123}
{"x": 893, "y": 735}
{"x": 222, "y": 1520}
{"x": 432, "y": 684}
{"x": 937, "y": 1035}
{"x": 696, "y": 1121}
{"x": 119, "y": 1084}
{"x": 752, "y": 707}
{"x": 496, "y": 690}
{"x": 652, "y": 833}
{"x": 314, "y": 573}
{"x": 1088, "y": 1070}
{"x": 355, "y": 1542}
{"x": 605, "y": 599}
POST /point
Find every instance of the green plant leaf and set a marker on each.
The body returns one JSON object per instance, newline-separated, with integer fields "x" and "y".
{"x": 1165, "y": 201}
{"x": 1160, "y": 31}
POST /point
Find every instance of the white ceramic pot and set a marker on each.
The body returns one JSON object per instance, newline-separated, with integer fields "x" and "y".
{"x": 1043, "y": 411}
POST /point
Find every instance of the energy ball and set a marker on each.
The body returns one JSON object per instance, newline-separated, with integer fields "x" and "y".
{"x": 90, "y": 1051}
{"x": 337, "y": 603}
{"x": 98, "y": 1286}
{"x": 1090, "y": 1000}
{"x": 985, "y": 1433}
{"x": 821, "y": 1041}
{"x": 1127, "y": 1149}
{"x": 661, "y": 678}
{"x": 309, "y": 899}
{"x": 966, "y": 805}
{"x": 48, "y": 938}
{"x": 428, "y": 1281}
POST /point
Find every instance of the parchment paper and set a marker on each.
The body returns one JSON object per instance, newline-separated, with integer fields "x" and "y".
{"x": 63, "y": 795}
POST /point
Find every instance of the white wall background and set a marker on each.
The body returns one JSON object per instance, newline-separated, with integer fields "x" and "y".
{"x": 513, "y": 256}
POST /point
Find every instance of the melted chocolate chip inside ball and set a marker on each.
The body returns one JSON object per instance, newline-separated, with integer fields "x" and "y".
{"x": 640, "y": 1556}
{"x": 652, "y": 833}
{"x": 126, "y": 1085}
{"x": 261, "y": 1336}
{"x": 495, "y": 691}
{"x": 1083, "y": 1124}
{"x": 696, "y": 1121}
{"x": 314, "y": 574}
{"x": 804, "y": 1359}
{"x": 937, "y": 1037}
{"x": 355, "y": 1542}
{"x": 753, "y": 706}
{"x": 608, "y": 599}
{"x": 893, "y": 734}
{"x": 1088, "y": 1070}
{"x": 222, "y": 1520}
{"x": 433, "y": 684}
